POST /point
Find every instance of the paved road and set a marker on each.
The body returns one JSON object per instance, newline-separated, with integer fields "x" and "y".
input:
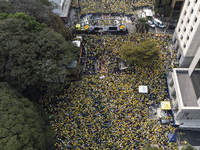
{"x": 188, "y": 136}
{"x": 159, "y": 31}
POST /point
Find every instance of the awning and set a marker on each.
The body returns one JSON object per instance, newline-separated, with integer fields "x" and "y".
{"x": 165, "y": 105}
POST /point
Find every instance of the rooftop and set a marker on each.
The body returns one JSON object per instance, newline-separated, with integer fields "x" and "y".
{"x": 187, "y": 89}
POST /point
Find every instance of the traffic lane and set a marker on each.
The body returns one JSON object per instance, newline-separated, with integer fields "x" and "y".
{"x": 160, "y": 31}
{"x": 188, "y": 136}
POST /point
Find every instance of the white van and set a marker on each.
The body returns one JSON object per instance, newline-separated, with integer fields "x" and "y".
{"x": 150, "y": 23}
{"x": 158, "y": 23}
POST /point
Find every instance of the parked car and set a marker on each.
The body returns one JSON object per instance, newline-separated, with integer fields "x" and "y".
{"x": 150, "y": 23}
{"x": 158, "y": 23}
{"x": 171, "y": 27}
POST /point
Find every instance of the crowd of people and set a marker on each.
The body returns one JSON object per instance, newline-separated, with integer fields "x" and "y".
{"x": 109, "y": 6}
{"x": 105, "y": 110}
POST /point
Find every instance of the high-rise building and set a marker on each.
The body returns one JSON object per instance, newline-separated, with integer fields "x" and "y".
{"x": 184, "y": 82}
{"x": 187, "y": 32}
{"x": 61, "y": 7}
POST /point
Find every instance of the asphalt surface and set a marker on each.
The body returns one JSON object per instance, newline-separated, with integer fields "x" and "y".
{"x": 188, "y": 136}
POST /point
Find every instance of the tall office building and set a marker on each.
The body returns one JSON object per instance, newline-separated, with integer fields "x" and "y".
{"x": 184, "y": 82}
{"x": 187, "y": 32}
{"x": 62, "y": 7}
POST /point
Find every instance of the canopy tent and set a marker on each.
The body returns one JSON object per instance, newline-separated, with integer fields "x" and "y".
{"x": 172, "y": 137}
{"x": 165, "y": 105}
{"x": 78, "y": 43}
{"x": 123, "y": 68}
{"x": 143, "y": 89}
{"x": 148, "y": 12}
{"x": 101, "y": 77}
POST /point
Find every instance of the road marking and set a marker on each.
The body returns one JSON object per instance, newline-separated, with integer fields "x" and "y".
{"x": 185, "y": 142}
{"x": 181, "y": 133}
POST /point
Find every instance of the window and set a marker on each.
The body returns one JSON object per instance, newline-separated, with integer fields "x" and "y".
{"x": 188, "y": 20}
{"x": 188, "y": 37}
{"x": 181, "y": 21}
{"x": 184, "y": 29}
{"x": 189, "y": 3}
{"x": 184, "y": 45}
{"x": 195, "y": 20}
{"x": 191, "y": 29}
{"x": 181, "y": 37}
{"x": 179, "y": 29}
{"x": 185, "y": 12}
{"x": 192, "y": 10}
{"x": 196, "y": 1}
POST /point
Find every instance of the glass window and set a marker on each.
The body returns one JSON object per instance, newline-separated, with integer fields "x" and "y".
{"x": 192, "y": 10}
{"x": 195, "y": 20}
{"x": 191, "y": 29}
{"x": 189, "y": 3}
{"x": 188, "y": 20}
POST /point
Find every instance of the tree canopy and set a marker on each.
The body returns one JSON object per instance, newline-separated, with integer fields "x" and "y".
{"x": 33, "y": 25}
{"x": 163, "y": 7}
{"x": 33, "y": 61}
{"x": 151, "y": 147}
{"x": 41, "y": 10}
{"x": 21, "y": 125}
{"x": 141, "y": 54}
{"x": 188, "y": 147}
{"x": 142, "y": 26}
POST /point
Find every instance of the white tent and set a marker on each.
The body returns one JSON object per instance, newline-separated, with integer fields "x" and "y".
{"x": 143, "y": 89}
{"x": 78, "y": 43}
{"x": 148, "y": 12}
{"x": 101, "y": 77}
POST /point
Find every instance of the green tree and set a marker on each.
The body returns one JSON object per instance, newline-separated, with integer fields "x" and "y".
{"x": 4, "y": 5}
{"x": 162, "y": 7}
{"x": 39, "y": 10}
{"x": 45, "y": 2}
{"x": 150, "y": 147}
{"x": 188, "y": 147}
{"x": 142, "y": 26}
{"x": 22, "y": 127}
{"x": 57, "y": 24}
{"x": 33, "y": 25}
{"x": 33, "y": 62}
{"x": 141, "y": 54}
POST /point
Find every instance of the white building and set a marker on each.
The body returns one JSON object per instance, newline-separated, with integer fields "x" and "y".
{"x": 184, "y": 82}
{"x": 62, "y": 7}
{"x": 187, "y": 32}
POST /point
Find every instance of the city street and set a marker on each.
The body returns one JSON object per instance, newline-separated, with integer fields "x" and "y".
{"x": 160, "y": 31}
{"x": 188, "y": 136}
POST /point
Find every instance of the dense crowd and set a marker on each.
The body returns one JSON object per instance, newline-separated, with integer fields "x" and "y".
{"x": 109, "y": 6}
{"x": 106, "y": 110}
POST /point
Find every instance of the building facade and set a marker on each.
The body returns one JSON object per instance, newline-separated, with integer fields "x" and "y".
{"x": 62, "y": 7}
{"x": 186, "y": 35}
{"x": 184, "y": 82}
